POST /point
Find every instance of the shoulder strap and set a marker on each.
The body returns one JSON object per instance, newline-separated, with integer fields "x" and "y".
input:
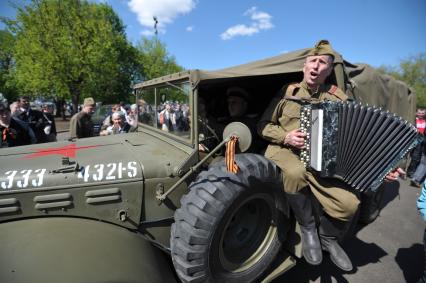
{"x": 334, "y": 90}
{"x": 291, "y": 89}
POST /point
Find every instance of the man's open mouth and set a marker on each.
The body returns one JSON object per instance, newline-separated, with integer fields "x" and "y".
{"x": 314, "y": 75}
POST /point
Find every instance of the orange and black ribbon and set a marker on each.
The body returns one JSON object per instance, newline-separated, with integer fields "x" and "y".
{"x": 231, "y": 165}
{"x": 6, "y": 131}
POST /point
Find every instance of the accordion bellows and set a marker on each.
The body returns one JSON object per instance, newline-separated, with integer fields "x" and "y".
{"x": 356, "y": 143}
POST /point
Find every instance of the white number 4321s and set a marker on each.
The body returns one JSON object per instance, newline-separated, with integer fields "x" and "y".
{"x": 110, "y": 171}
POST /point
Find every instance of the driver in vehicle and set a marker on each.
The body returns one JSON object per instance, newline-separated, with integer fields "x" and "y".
{"x": 280, "y": 126}
{"x": 238, "y": 104}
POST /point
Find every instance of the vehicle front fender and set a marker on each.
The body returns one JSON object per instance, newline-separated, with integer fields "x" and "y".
{"x": 78, "y": 250}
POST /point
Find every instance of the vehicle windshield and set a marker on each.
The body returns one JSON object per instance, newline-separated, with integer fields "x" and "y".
{"x": 166, "y": 108}
{"x": 102, "y": 111}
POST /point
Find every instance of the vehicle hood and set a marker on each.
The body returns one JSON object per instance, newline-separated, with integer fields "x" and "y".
{"x": 117, "y": 158}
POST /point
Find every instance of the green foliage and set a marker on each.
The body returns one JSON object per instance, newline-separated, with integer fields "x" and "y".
{"x": 155, "y": 60}
{"x": 412, "y": 71}
{"x": 7, "y": 82}
{"x": 72, "y": 48}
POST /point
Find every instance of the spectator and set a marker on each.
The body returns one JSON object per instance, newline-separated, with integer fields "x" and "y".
{"x": 120, "y": 126}
{"x": 416, "y": 153}
{"x": 34, "y": 118}
{"x": 14, "y": 108}
{"x": 167, "y": 119}
{"x": 145, "y": 113}
{"x": 13, "y": 131}
{"x": 132, "y": 117}
{"x": 181, "y": 118}
{"x": 50, "y": 128}
{"x": 108, "y": 120}
{"x": 81, "y": 125}
{"x": 419, "y": 174}
{"x": 123, "y": 108}
{"x": 421, "y": 205}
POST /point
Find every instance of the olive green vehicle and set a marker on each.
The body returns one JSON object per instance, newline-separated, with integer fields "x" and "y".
{"x": 148, "y": 206}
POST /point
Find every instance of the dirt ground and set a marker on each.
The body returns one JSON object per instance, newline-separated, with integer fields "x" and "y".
{"x": 61, "y": 125}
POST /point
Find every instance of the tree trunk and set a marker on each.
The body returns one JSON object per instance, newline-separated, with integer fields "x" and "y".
{"x": 74, "y": 100}
{"x": 75, "y": 89}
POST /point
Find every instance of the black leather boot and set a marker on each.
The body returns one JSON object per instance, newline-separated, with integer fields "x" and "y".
{"x": 330, "y": 230}
{"x": 302, "y": 207}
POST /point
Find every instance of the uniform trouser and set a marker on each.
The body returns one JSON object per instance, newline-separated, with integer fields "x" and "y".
{"x": 420, "y": 172}
{"x": 336, "y": 201}
{"x": 416, "y": 155}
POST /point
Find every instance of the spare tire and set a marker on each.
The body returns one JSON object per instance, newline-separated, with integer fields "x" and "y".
{"x": 225, "y": 229}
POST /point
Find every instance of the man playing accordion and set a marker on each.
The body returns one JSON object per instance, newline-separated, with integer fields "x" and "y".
{"x": 280, "y": 125}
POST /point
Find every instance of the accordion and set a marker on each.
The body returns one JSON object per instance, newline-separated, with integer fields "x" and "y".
{"x": 355, "y": 143}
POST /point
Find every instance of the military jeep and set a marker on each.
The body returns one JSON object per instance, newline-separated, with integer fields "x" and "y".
{"x": 150, "y": 206}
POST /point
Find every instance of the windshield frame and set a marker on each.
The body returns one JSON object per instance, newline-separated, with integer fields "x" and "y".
{"x": 174, "y": 83}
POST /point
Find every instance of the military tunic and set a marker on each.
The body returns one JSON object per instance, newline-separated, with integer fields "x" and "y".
{"x": 283, "y": 116}
{"x": 81, "y": 126}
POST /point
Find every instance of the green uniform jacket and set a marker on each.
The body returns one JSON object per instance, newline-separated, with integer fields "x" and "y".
{"x": 81, "y": 126}
{"x": 283, "y": 116}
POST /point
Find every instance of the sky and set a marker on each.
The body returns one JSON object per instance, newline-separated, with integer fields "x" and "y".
{"x": 215, "y": 34}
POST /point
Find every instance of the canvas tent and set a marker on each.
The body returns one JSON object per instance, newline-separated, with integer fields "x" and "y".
{"x": 361, "y": 81}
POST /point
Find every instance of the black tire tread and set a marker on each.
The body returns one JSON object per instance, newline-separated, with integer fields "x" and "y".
{"x": 203, "y": 207}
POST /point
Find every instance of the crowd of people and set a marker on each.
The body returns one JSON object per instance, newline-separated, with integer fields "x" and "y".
{"x": 22, "y": 125}
{"x": 173, "y": 117}
{"x": 122, "y": 119}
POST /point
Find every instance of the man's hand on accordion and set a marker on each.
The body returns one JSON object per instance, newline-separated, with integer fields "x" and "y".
{"x": 295, "y": 138}
{"x": 394, "y": 174}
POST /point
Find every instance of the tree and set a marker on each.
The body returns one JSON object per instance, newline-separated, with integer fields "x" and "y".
{"x": 7, "y": 82}
{"x": 155, "y": 60}
{"x": 72, "y": 49}
{"x": 412, "y": 71}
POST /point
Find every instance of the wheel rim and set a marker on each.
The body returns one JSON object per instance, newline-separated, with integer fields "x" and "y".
{"x": 248, "y": 233}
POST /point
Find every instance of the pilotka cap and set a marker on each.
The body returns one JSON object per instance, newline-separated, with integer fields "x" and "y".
{"x": 323, "y": 47}
{"x": 89, "y": 101}
{"x": 239, "y": 92}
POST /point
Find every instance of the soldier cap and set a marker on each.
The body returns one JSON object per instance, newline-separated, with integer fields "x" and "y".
{"x": 89, "y": 101}
{"x": 238, "y": 91}
{"x": 323, "y": 47}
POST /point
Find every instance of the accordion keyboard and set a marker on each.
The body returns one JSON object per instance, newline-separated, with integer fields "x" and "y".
{"x": 358, "y": 144}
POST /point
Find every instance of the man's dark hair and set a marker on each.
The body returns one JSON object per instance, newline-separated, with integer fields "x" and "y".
{"x": 3, "y": 107}
{"x": 24, "y": 97}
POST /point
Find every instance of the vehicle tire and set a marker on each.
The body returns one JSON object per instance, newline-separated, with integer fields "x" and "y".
{"x": 225, "y": 229}
{"x": 370, "y": 205}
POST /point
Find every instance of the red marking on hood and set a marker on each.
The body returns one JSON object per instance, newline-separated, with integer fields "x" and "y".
{"x": 67, "y": 151}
